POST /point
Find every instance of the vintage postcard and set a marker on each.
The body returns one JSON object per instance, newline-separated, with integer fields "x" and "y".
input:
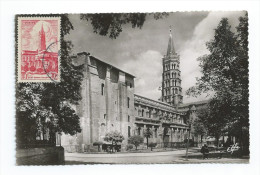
{"x": 132, "y": 88}
{"x": 38, "y": 49}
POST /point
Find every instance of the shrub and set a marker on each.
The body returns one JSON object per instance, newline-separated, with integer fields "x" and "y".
{"x": 136, "y": 140}
{"x": 114, "y": 137}
{"x": 152, "y": 145}
{"x": 129, "y": 147}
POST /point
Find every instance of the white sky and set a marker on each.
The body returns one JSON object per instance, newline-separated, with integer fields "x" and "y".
{"x": 140, "y": 51}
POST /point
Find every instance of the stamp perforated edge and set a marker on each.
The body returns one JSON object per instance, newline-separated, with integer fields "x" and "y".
{"x": 18, "y": 62}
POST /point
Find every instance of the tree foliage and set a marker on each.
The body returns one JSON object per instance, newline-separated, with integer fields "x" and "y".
{"x": 136, "y": 140}
{"x": 111, "y": 23}
{"x": 152, "y": 145}
{"x": 225, "y": 73}
{"x": 199, "y": 128}
{"x": 147, "y": 134}
{"x": 114, "y": 137}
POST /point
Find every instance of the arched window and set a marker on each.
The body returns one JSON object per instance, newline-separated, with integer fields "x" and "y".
{"x": 174, "y": 66}
{"x": 103, "y": 129}
{"x": 175, "y": 82}
{"x": 176, "y": 91}
{"x": 142, "y": 112}
{"x": 129, "y": 131}
{"x": 128, "y": 119}
{"x": 102, "y": 88}
{"x": 173, "y": 90}
{"x": 139, "y": 131}
{"x": 155, "y": 133}
{"x": 128, "y": 102}
{"x": 172, "y": 75}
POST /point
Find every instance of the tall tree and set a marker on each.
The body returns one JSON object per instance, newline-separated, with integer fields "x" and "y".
{"x": 225, "y": 72}
{"x": 199, "y": 128}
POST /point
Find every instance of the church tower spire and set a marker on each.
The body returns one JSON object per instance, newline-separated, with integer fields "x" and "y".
{"x": 170, "y": 49}
{"x": 42, "y": 44}
{"x": 171, "y": 76}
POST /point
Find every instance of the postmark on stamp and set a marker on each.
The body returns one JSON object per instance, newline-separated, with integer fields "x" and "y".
{"x": 38, "y": 49}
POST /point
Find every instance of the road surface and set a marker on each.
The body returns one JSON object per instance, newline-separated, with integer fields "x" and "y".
{"x": 170, "y": 157}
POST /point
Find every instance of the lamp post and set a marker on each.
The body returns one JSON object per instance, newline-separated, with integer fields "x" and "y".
{"x": 188, "y": 141}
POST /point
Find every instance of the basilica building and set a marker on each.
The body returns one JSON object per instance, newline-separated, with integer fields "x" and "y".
{"x": 109, "y": 103}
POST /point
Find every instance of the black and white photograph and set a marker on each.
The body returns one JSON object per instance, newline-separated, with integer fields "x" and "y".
{"x": 135, "y": 88}
{"x": 129, "y": 88}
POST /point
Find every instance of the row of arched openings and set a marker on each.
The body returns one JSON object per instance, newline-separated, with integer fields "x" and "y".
{"x": 172, "y": 66}
{"x": 174, "y": 83}
{"x": 174, "y": 91}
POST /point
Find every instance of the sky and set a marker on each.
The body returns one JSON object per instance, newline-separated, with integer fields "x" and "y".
{"x": 30, "y": 33}
{"x": 140, "y": 51}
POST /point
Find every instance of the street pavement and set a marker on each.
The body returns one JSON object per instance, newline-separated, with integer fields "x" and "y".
{"x": 170, "y": 157}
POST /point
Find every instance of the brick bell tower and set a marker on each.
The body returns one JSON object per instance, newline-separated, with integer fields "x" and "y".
{"x": 171, "y": 76}
{"x": 42, "y": 43}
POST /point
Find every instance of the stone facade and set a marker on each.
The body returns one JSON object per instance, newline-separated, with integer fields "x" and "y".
{"x": 167, "y": 123}
{"x": 107, "y": 101}
{"x": 110, "y": 104}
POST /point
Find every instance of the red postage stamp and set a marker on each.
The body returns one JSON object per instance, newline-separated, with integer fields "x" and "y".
{"x": 38, "y": 49}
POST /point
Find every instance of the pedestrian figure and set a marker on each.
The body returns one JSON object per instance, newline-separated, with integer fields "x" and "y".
{"x": 205, "y": 151}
